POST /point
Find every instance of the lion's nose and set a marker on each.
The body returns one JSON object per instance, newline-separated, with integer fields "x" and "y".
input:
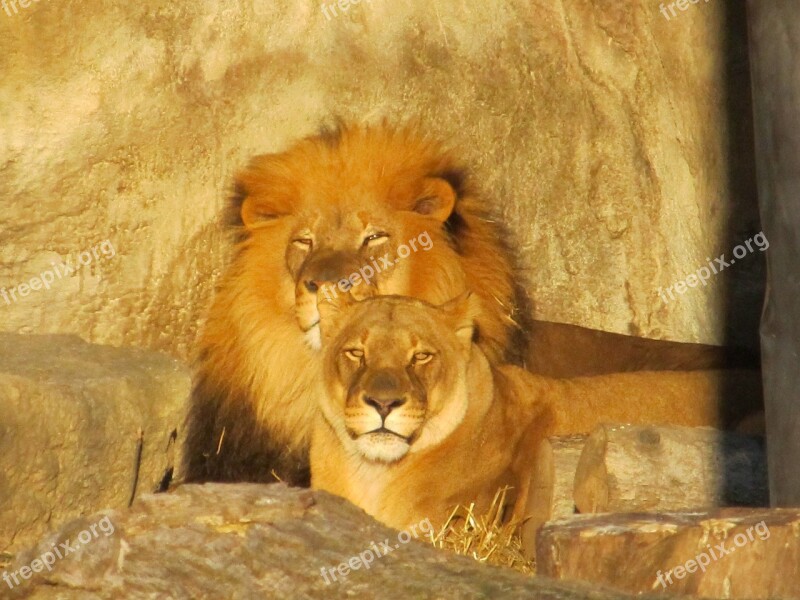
{"x": 384, "y": 405}
{"x": 313, "y": 285}
{"x": 327, "y": 266}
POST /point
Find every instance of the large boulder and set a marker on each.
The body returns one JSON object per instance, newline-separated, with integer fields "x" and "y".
{"x": 734, "y": 553}
{"x": 258, "y": 541}
{"x": 71, "y": 414}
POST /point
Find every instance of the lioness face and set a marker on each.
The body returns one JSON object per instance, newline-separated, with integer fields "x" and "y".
{"x": 354, "y": 215}
{"x": 395, "y": 373}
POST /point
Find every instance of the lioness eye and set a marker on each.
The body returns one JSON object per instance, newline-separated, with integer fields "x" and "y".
{"x": 303, "y": 243}
{"x": 376, "y": 238}
{"x": 420, "y": 358}
{"x": 354, "y": 354}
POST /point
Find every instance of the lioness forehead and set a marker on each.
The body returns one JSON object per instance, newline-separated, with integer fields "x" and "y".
{"x": 387, "y": 321}
{"x": 387, "y": 338}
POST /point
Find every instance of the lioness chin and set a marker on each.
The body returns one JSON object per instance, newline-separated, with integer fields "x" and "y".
{"x": 414, "y": 420}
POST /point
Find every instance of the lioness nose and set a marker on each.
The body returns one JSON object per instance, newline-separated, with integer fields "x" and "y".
{"x": 384, "y": 405}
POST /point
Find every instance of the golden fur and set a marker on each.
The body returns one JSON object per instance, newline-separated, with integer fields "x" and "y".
{"x": 459, "y": 428}
{"x": 325, "y": 210}
{"x": 321, "y": 212}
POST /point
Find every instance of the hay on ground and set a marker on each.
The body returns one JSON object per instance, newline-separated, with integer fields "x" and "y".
{"x": 484, "y": 537}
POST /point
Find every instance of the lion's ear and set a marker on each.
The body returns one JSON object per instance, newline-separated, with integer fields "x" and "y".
{"x": 256, "y": 212}
{"x": 261, "y": 194}
{"x": 437, "y": 199}
{"x": 462, "y": 312}
{"x": 333, "y": 307}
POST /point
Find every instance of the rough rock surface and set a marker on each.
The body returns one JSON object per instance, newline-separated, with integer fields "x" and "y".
{"x": 599, "y": 129}
{"x": 257, "y": 541}
{"x": 645, "y": 468}
{"x": 70, "y": 413}
{"x": 725, "y": 553}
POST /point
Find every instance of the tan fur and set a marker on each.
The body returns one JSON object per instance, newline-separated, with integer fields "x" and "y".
{"x": 322, "y": 211}
{"x": 305, "y": 215}
{"x": 509, "y": 411}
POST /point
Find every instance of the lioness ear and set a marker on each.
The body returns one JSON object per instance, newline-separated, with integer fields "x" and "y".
{"x": 333, "y": 307}
{"x": 462, "y": 312}
{"x": 436, "y": 200}
{"x": 262, "y": 194}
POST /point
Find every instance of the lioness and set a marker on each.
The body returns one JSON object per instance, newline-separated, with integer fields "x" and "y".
{"x": 378, "y": 210}
{"x": 415, "y": 420}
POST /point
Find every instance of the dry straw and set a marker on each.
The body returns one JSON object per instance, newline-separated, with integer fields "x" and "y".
{"x": 484, "y": 537}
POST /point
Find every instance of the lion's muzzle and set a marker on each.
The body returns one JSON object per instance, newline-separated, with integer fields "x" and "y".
{"x": 333, "y": 272}
{"x": 384, "y": 413}
{"x": 384, "y": 391}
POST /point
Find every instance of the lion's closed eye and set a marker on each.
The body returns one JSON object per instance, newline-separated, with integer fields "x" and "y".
{"x": 421, "y": 358}
{"x": 303, "y": 243}
{"x": 375, "y": 239}
{"x": 354, "y": 354}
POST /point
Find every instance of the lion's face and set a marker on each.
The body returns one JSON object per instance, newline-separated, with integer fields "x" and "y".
{"x": 395, "y": 372}
{"x": 354, "y": 251}
{"x": 355, "y": 216}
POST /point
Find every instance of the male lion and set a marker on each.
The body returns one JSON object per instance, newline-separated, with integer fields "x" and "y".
{"x": 381, "y": 211}
{"x": 415, "y": 420}
{"x": 386, "y": 209}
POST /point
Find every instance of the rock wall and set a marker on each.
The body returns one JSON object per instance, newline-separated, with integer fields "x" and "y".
{"x": 601, "y": 132}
